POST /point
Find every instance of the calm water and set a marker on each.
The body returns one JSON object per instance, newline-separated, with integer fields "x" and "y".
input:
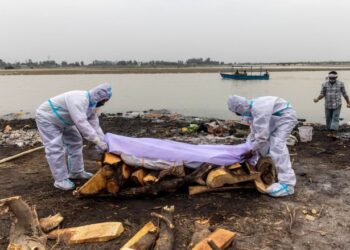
{"x": 198, "y": 94}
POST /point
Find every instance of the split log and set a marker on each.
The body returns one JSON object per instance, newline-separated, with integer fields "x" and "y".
{"x": 138, "y": 175}
{"x": 93, "y": 186}
{"x": 112, "y": 186}
{"x": 166, "y": 235}
{"x": 234, "y": 166}
{"x": 51, "y": 222}
{"x": 150, "y": 178}
{"x": 220, "y": 177}
{"x": 90, "y": 233}
{"x": 26, "y": 233}
{"x": 221, "y": 238}
{"x": 126, "y": 171}
{"x": 111, "y": 159}
{"x": 144, "y": 239}
{"x": 201, "y": 228}
{"x": 205, "y": 189}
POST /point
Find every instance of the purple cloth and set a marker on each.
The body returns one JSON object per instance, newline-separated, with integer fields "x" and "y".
{"x": 176, "y": 151}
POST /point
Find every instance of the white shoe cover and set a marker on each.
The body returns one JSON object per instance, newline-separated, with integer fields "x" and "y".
{"x": 80, "y": 175}
{"x": 64, "y": 185}
{"x": 280, "y": 189}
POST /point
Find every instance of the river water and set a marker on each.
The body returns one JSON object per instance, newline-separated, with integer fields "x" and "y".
{"x": 198, "y": 94}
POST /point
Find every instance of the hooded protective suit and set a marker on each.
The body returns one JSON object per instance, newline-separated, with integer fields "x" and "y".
{"x": 59, "y": 121}
{"x": 271, "y": 120}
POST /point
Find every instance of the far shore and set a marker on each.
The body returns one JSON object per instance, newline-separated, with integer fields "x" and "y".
{"x": 160, "y": 70}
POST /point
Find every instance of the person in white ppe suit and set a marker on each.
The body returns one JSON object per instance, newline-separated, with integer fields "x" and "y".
{"x": 271, "y": 121}
{"x": 60, "y": 121}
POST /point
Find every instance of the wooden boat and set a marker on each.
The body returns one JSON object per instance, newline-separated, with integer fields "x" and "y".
{"x": 245, "y": 77}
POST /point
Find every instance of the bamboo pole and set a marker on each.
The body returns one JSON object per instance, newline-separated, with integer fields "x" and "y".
{"x": 21, "y": 154}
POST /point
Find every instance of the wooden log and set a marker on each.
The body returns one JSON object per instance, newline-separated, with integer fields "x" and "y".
{"x": 93, "y": 186}
{"x": 165, "y": 185}
{"x": 220, "y": 237}
{"x": 258, "y": 182}
{"x": 51, "y": 222}
{"x": 201, "y": 228}
{"x": 170, "y": 185}
{"x": 150, "y": 178}
{"x": 220, "y": 177}
{"x": 205, "y": 189}
{"x": 166, "y": 235}
{"x": 138, "y": 175}
{"x": 267, "y": 169}
{"x": 176, "y": 171}
{"x": 111, "y": 159}
{"x": 25, "y": 233}
{"x": 126, "y": 171}
{"x": 90, "y": 233}
{"x": 112, "y": 186}
{"x": 234, "y": 166}
{"x": 144, "y": 239}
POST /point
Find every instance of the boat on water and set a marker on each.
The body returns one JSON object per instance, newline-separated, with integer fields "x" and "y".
{"x": 243, "y": 75}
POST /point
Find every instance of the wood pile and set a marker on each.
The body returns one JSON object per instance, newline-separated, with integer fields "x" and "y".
{"x": 119, "y": 179}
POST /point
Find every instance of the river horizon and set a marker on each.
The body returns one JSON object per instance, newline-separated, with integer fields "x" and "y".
{"x": 192, "y": 94}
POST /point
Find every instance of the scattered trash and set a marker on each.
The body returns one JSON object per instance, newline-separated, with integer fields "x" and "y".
{"x": 7, "y": 129}
{"x": 309, "y": 217}
{"x": 305, "y": 133}
{"x": 292, "y": 140}
{"x": 21, "y": 137}
{"x": 192, "y": 128}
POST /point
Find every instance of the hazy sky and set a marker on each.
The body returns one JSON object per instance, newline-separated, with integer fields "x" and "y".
{"x": 225, "y": 30}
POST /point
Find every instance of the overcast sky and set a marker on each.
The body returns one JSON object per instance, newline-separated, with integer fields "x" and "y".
{"x": 224, "y": 30}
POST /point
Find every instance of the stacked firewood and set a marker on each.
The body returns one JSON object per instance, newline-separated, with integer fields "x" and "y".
{"x": 119, "y": 179}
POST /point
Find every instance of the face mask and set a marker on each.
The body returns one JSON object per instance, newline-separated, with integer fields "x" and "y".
{"x": 332, "y": 80}
{"x": 101, "y": 103}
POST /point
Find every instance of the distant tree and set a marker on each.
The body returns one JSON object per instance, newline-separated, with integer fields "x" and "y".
{"x": 64, "y": 64}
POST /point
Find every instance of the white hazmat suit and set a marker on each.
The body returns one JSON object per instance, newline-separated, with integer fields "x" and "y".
{"x": 271, "y": 120}
{"x": 60, "y": 121}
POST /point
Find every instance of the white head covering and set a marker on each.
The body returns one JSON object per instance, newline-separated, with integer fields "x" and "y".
{"x": 332, "y": 75}
{"x": 101, "y": 92}
{"x": 238, "y": 104}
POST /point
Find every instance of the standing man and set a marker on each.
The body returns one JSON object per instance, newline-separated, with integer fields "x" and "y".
{"x": 332, "y": 90}
{"x": 60, "y": 121}
{"x": 271, "y": 121}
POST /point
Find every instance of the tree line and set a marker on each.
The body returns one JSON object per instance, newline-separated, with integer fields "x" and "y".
{"x": 107, "y": 63}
